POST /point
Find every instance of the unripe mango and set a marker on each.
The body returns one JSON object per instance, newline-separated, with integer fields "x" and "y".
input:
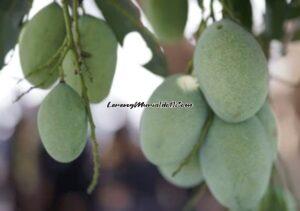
{"x": 99, "y": 42}
{"x": 168, "y": 135}
{"x": 167, "y": 17}
{"x": 62, "y": 123}
{"x": 189, "y": 176}
{"x": 265, "y": 115}
{"x": 232, "y": 71}
{"x": 236, "y": 163}
{"x": 39, "y": 40}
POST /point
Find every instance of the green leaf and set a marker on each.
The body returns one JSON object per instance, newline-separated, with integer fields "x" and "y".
{"x": 274, "y": 18}
{"x": 124, "y": 17}
{"x": 293, "y": 10}
{"x": 242, "y": 11}
{"x": 200, "y": 2}
{"x": 11, "y": 15}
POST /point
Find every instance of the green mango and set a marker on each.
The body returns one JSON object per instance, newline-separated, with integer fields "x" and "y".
{"x": 168, "y": 135}
{"x": 62, "y": 123}
{"x": 232, "y": 71}
{"x": 189, "y": 176}
{"x": 267, "y": 118}
{"x": 236, "y": 162}
{"x": 39, "y": 40}
{"x": 100, "y": 44}
{"x": 167, "y": 17}
{"x": 277, "y": 199}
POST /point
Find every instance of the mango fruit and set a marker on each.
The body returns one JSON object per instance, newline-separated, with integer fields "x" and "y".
{"x": 39, "y": 40}
{"x": 167, "y": 17}
{"x": 62, "y": 123}
{"x": 168, "y": 135}
{"x": 236, "y": 162}
{"x": 267, "y": 118}
{"x": 232, "y": 71}
{"x": 189, "y": 176}
{"x": 99, "y": 43}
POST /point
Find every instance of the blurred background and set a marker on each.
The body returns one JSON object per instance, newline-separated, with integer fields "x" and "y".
{"x": 31, "y": 181}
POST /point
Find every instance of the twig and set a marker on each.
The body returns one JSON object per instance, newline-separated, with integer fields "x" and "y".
{"x": 212, "y": 14}
{"x": 85, "y": 97}
{"x": 63, "y": 53}
{"x": 50, "y": 62}
{"x": 24, "y": 93}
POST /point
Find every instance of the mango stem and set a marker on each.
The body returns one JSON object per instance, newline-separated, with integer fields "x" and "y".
{"x": 76, "y": 49}
{"x": 199, "y": 144}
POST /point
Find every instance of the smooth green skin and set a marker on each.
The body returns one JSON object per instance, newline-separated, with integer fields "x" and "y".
{"x": 39, "y": 40}
{"x": 189, "y": 176}
{"x": 168, "y": 135}
{"x": 167, "y": 17}
{"x": 267, "y": 118}
{"x": 236, "y": 162}
{"x": 62, "y": 123}
{"x": 277, "y": 199}
{"x": 232, "y": 71}
{"x": 98, "y": 40}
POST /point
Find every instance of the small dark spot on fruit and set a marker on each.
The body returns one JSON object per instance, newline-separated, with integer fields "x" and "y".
{"x": 237, "y": 115}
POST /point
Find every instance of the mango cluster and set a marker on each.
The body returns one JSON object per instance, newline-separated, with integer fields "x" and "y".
{"x": 62, "y": 117}
{"x": 230, "y": 118}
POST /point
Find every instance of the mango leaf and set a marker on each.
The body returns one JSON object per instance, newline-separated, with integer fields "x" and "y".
{"x": 11, "y": 15}
{"x": 200, "y": 2}
{"x": 124, "y": 17}
{"x": 274, "y": 18}
{"x": 293, "y": 10}
{"x": 238, "y": 10}
{"x": 242, "y": 11}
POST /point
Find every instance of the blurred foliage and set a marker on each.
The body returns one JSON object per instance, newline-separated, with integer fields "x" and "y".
{"x": 200, "y": 2}
{"x": 293, "y": 9}
{"x": 124, "y": 17}
{"x": 274, "y": 18}
{"x": 11, "y": 15}
{"x": 241, "y": 10}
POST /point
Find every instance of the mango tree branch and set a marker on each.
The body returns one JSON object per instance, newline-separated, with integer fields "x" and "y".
{"x": 85, "y": 97}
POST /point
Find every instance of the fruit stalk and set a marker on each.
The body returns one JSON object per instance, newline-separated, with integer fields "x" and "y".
{"x": 197, "y": 147}
{"x": 212, "y": 14}
{"x": 85, "y": 97}
{"x": 55, "y": 62}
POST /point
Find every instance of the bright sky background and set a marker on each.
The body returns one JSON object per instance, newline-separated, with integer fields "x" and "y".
{"x": 131, "y": 83}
